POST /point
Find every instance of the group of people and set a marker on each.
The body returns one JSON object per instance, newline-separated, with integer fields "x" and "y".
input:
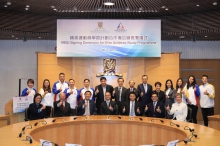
{"x": 171, "y": 103}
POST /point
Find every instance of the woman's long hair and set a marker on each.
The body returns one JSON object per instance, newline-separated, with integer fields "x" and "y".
{"x": 46, "y": 89}
{"x": 193, "y": 83}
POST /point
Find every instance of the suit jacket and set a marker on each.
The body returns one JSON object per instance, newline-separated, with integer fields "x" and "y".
{"x": 146, "y": 98}
{"x": 59, "y": 112}
{"x": 100, "y": 95}
{"x": 116, "y": 95}
{"x": 104, "y": 109}
{"x": 127, "y": 108}
{"x": 171, "y": 98}
{"x": 151, "y": 113}
{"x": 33, "y": 112}
{"x": 81, "y": 108}
{"x": 127, "y": 93}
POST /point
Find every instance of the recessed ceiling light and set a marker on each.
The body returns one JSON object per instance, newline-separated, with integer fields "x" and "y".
{"x": 27, "y": 6}
{"x": 74, "y": 8}
{"x": 215, "y": 3}
{"x": 182, "y": 37}
{"x": 197, "y": 5}
{"x": 108, "y": 3}
{"x": 140, "y": 8}
{"x": 139, "y": 11}
{"x": 206, "y": 36}
{"x": 166, "y": 9}
{"x": 82, "y": 11}
{"x": 52, "y": 7}
{"x": 12, "y": 36}
{"x": 163, "y": 7}
{"x": 5, "y": 6}
{"x": 16, "y": 38}
{"x": 127, "y": 8}
{"x": 39, "y": 37}
{"x": 8, "y": 3}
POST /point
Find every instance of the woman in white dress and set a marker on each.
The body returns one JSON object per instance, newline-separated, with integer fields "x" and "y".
{"x": 179, "y": 109}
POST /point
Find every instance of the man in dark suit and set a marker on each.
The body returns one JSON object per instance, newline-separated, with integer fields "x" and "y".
{"x": 132, "y": 107}
{"x": 119, "y": 94}
{"x": 100, "y": 92}
{"x": 144, "y": 92}
{"x": 61, "y": 107}
{"x": 86, "y": 107}
{"x": 131, "y": 89}
{"x": 155, "y": 109}
{"x": 108, "y": 107}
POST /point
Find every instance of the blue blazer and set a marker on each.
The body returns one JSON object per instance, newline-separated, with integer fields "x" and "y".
{"x": 151, "y": 113}
{"x": 146, "y": 98}
{"x": 81, "y": 109}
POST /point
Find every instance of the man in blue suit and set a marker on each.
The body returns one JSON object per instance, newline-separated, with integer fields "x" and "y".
{"x": 144, "y": 92}
{"x": 86, "y": 107}
{"x": 155, "y": 109}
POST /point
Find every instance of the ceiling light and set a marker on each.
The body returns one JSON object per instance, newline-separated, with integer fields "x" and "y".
{"x": 8, "y": 3}
{"x": 99, "y": 8}
{"x": 139, "y": 11}
{"x": 182, "y": 37}
{"x": 163, "y": 7}
{"x": 39, "y": 37}
{"x": 5, "y": 6}
{"x": 16, "y": 38}
{"x": 127, "y": 8}
{"x": 215, "y": 3}
{"x": 74, "y": 8}
{"x": 82, "y": 11}
{"x": 27, "y": 6}
{"x": 140, "y": 8}
{"x": 52, "y": 7}
{"x": 197, "y": 5}
{"x": 206, "y": 36}
{"x": 108, "y": 3}
{"x": 166, "y": 9}
{"x": 12, "y": 36}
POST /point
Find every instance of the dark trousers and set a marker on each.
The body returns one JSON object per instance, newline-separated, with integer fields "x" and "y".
{"x": 194, "y": 112}
{"x": 73, "y": 112}
{"x": 205, "y": 113}
{"x": 48, "y": 111}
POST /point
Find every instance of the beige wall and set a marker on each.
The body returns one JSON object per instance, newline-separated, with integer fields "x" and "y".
{"x": 158, "y": 69}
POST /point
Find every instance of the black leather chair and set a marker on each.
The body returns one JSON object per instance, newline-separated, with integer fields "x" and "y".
{"x": 26, "y": 114}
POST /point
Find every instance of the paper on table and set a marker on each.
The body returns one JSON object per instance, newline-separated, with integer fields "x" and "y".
{"x": 45, "y": 144}
{"x": 172, "y": 143}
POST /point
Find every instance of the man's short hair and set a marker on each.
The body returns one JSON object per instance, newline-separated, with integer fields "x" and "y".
{"x": 144, "y": 76}
{"x": 88, "y": 91}
{"x": 120, "y": 78}
{"x": 72, "y": 80}
{"x": 61, "y": 74}
{"x": 30, "y": 81}
{"x": 205, "y": 76}
{"x": 103, "y": 78}
{"x": 86, "y": 80}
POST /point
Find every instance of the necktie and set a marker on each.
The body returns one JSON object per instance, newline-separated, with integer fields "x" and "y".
{"x": 132, "y": 108}
{"x": 107, "y": 104}
{"x": 145, "y": 88}
{"x": 131, "y": 89}
{"x": 120, "y": 94}
{"x": 87, "y": 109}
{"x": 63, "y": 106}
{"x": 154, "y": 106}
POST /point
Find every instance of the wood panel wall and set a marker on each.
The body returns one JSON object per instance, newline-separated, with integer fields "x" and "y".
{"x": 199, "y": 67}
{"x": 157, "y": 69}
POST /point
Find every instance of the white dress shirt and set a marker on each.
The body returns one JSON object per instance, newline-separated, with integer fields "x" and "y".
{"x": 168, "y": 91}
{"x": 179, "y": 111}
{"x": 130, "y": 112}
{"x": 145, "y": 88}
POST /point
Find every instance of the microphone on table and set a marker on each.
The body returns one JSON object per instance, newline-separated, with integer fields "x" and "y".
{"x": 64, "y": 119}
{"x": 74, "y": 118}
{"x": 45, "y": 122}
{"x": 49, "y": 142}
{"x": 192, "y": 131}
{"x": 171, "y": 124}
{"x": 153, "y": 120}
{"x": 28, "y": 138}
{"x": 23, "y": 130}
{"x": 119, "y": 117}
{"x": 141, "y": 119}
{"x": 187, "y": 128}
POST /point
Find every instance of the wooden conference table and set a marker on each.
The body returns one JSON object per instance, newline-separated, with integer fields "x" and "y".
{"x": 214, "y": 122}
{"x": 107, "y": 130}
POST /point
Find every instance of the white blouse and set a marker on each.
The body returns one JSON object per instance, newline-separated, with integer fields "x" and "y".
{"x": 179, "y": 111}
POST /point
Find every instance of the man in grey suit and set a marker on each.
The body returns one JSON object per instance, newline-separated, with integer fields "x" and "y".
{"x": 119, "y": 94}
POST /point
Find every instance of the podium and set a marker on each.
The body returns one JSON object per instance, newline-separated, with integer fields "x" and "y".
{"x": 13, "y": 118}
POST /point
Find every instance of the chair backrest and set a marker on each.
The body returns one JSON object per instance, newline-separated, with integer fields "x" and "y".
{"x": 189, "y": 115}
{"x": 76, "y": 109}
{"x": 26, "y": 114}
{"x": 116, "y": 109}
{"x": 52, "y": 112}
